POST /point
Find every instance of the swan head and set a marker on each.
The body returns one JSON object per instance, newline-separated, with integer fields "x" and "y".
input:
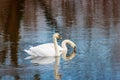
{"x": 57, "y": 35}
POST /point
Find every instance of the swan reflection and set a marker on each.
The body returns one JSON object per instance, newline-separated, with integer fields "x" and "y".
{"x": 42, "y": 60}
{"x": 57, "y": 75}
{"x": 46, "y": 61}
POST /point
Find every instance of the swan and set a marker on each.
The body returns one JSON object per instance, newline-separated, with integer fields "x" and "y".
{"x": 52, "y": 49}
{"x": 47, "y": 49}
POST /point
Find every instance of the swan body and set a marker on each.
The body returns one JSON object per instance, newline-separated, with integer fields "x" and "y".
{"x": 47, "y": 49}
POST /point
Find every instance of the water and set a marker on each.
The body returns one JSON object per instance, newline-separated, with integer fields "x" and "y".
{"x": 92, "y": 24}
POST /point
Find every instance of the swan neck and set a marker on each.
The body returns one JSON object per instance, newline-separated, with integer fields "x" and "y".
{"x": 72, "y": 55}
{"x": 56, "y": 45}
{"x": 64, "y": 45}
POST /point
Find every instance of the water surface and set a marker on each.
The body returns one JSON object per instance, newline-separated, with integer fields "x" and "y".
{"x": 94, "y": 25}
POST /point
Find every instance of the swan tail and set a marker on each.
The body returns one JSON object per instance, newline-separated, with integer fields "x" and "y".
{"x": 29, "y": 52}
{"x": 31, "y": 46}
{"x": 29, "y": 57}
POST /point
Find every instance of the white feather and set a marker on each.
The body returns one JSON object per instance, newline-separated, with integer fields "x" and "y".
{"x": 47, "y": 49}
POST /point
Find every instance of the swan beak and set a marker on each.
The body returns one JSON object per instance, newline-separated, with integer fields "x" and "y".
{"x": 75, "y": 49}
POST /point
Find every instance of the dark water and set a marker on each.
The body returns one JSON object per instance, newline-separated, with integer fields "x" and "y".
{"x": 94, "y": 25}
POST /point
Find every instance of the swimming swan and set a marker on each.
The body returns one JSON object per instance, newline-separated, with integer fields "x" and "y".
{"x": 47, "y": 49}
{"x": 52, "y": 49}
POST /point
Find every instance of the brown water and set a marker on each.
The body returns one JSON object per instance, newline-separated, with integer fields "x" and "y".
{"x": 94, "y": 25}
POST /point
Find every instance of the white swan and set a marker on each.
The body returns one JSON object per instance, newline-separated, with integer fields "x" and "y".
{"x": 47, "y": 49}
{"x": 51, "y": 49}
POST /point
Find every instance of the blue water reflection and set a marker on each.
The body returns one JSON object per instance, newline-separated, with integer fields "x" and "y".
{"x": 93, "y": 25}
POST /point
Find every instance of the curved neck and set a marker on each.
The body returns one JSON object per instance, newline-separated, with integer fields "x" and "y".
{"x": 72, "y": 55}
{"x": 64, "y": 45}
{"x": 55, "y": 45}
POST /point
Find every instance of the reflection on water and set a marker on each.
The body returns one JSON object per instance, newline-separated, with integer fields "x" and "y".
{"x": 92, "y": 24}
{"x": 10, "y": 32}
{"x": 57, "y": 75}
{"x": 42, "y": 60}
{"x": 46, "y": 61}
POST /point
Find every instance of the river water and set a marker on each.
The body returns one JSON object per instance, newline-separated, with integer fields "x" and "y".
{"x": 94, "y": 26}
